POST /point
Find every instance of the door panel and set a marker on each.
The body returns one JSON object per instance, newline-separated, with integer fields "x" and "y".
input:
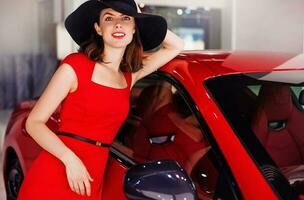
{"x": 113, "y": 180}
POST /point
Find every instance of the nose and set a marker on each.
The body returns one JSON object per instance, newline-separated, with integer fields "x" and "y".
{"x": 118, "y": 25}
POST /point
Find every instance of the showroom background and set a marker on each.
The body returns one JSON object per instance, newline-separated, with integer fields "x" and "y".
{"x": 33, "y": 39}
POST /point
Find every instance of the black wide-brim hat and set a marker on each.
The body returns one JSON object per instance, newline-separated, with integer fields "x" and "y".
{"x": 79, "y": 24}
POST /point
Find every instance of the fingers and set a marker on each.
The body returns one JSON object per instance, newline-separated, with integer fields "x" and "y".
{"x": 84, "y": 187}
{"x": 71, "y": 185}
{"x": 88, "y": 187}
{"x": 87, "y": 184}
{"x": 81, "y": 187}
{"x": 75, "y": 187}
{"x": 78, "y": 177}
{"x": 90, "y": 178}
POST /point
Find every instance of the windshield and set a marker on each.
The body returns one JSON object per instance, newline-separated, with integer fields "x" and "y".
{"x": 266, "y": 110}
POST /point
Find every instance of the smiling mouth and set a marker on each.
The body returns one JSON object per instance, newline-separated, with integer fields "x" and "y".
{"x": 118, "y": 35}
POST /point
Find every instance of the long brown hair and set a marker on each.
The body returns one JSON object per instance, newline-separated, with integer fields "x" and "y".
{"x": 132, "y": 59}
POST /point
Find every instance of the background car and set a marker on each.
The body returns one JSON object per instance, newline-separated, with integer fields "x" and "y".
{"x": 232, "y": 120}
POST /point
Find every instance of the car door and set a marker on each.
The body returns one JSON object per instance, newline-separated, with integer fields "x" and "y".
{"x": 163, "y": 124}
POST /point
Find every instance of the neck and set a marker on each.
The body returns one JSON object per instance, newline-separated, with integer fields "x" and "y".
{"x": 112, "y": 57}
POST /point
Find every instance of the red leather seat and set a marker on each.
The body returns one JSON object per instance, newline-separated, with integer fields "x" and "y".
{"x": 157, "y": 136}
{"x": 279, "y": 126}
{"x": 154, "y": 138}
{"x": 152, "y": 105}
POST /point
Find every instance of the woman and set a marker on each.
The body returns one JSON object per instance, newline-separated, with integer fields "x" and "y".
{"x": 93, "y": 86}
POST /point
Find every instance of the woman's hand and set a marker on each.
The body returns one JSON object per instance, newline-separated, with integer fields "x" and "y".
{"x": 78, "y": 177}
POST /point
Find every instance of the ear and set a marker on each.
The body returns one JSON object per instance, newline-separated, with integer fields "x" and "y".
{"x": 98, "y": 29}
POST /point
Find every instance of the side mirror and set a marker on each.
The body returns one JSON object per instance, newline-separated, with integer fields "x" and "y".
{"x": 163, "y": 180}
{"x": 301, "y": 97}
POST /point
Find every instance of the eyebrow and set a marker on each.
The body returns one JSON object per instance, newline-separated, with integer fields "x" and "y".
{"x": 111, "y": 14}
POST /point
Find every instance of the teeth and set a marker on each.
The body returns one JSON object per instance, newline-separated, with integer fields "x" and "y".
{"x": 118, "y": 34}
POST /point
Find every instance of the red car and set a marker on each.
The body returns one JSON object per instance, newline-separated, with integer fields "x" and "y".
{"x": 233, "y": 121}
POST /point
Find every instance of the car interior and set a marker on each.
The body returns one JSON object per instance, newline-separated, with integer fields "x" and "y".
{"x": 274, "y": 113}
{"x": 161, "y": 126}
{"x": 278, "y": 124}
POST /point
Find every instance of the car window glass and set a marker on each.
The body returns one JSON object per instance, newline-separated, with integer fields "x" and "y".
{"x": 255, "y": 89}
{"x": 268, "y": 118}
{"x": 161, "y": 125}
{"x": 296, "y": 91}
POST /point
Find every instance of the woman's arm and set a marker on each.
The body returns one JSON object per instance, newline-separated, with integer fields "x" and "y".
{"x": 172, "y": 46}
{"x": 62, "y": 82}
{"x": 56, "y": 90}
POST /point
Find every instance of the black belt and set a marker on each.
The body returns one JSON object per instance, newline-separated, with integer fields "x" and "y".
{"x": 97, "y": 143}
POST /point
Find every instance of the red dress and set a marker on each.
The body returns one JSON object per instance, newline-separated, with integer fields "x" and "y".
{"x": 94, "y": 111}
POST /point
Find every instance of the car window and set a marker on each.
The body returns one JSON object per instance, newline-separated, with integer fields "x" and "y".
{"x": 295, "y": 91}
{"x": 255, "y": 89}
{"x": 161, "y": 125}
{"x": 269, "y": 120}
{"x": 296, "y": 94}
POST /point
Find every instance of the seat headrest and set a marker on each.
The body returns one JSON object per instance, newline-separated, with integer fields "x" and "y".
{"x": 152, "y": 98}
{"x": 276, "y": 101}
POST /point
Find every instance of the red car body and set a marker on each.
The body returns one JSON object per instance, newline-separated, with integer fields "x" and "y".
{"x": 190, "y": 69}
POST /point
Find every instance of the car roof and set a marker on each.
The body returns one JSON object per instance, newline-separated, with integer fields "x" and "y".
{"x": 211, "y": 63}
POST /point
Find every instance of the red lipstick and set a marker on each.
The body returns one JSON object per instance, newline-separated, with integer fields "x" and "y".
{"x": 118, "y": 35}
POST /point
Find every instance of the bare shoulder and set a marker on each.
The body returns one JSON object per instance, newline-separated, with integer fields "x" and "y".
{"x": 57, "y": 89}
{"x": 67, "y": 74}
{"x": 62, "y": 82}
{"x": 65, "y": 68}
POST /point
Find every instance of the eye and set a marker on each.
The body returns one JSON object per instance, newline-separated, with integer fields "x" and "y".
{"x": 108, "y": 19}
{"x": 126, "y": 18}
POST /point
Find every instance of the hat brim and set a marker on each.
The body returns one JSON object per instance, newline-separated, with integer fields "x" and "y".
{"x": 152, "y": 30}
{"x": 79, "y": 24}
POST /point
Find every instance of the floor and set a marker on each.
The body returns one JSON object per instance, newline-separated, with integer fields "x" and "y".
{"x": 4, "y": 115}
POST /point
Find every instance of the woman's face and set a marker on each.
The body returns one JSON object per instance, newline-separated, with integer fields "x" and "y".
{"x": 115, "y": 28}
